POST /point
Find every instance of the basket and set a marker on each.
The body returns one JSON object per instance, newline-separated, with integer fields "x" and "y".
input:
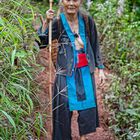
{"x": 54, "y": 51}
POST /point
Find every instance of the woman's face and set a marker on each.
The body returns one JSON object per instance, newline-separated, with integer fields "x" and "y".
{"x": 71, "y": 6}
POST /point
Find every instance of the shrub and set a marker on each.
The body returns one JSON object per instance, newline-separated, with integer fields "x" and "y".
{"x": 17, "y": 69}
{"x": 120, "y": 46}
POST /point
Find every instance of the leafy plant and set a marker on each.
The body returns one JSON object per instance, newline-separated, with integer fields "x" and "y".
{"x": 119, "y": 40}
{"x": 18, "y": 68}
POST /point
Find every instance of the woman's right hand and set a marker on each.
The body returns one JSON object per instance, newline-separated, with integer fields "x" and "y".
{"x": 50, "y": 14}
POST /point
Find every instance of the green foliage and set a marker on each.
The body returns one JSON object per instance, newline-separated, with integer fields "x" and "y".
{"x": 17, "y": 71}
{"x": 120, "y": 45}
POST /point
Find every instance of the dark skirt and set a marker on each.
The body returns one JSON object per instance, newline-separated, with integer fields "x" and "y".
{"x": 88, "y": 119}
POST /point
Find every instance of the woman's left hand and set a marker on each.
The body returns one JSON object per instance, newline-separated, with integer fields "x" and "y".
{"x": 102, "y": 77}
{"x": 43, "y": 22}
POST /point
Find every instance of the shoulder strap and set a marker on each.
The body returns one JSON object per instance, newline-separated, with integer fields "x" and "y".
{"x": 86, "y": 19}
{"x": 59, "y": 25}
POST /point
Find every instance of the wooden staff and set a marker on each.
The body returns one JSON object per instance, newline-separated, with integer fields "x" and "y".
{"x": 50, "y": 64}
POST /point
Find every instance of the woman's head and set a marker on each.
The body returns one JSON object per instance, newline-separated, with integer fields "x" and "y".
{"x": 71, "y": 6}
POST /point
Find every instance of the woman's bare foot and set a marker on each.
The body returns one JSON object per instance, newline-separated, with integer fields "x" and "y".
{"x": 82, "y": 138}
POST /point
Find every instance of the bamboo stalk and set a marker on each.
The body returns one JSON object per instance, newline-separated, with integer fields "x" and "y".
{"x": 50, "y": 73}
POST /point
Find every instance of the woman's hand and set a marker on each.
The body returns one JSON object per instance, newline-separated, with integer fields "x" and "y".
{"x": 43, "y": 22}
{"x": 102, "y": 77}
{"x": 50, "y": 14}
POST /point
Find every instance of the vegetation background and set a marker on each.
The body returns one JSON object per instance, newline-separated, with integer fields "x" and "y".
{"x": 118, "y": 23}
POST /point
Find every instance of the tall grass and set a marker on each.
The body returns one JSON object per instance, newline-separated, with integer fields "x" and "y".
{"x": 17, "y": 70}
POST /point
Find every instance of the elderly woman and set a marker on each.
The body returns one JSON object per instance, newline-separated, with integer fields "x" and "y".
{"x": 78, "y": 56}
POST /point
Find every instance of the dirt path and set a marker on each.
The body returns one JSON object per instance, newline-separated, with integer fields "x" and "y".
{"x": 102, "y": 132}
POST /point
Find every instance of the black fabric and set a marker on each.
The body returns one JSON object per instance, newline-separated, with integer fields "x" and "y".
{"x": 94, "y": 41}
{"x": 61, "y": 113}
{"x": 87, "y": 121}
{"x": 80, "y": 91}
{"x": 94, "y": 88}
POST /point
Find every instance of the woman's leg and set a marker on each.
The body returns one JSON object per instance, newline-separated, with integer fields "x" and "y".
{"x": 87, "y": 122}
{"x": 61, "y": 113}
{"x": 62, "y": 124}
{"x": 82, "y": 137}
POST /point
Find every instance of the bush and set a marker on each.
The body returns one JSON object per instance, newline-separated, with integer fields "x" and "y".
{"x": 120, "y": 46}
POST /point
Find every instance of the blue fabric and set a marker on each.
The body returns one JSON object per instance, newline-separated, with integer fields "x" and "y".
{"x": 74, "y": 104}
{"x": 89, "y": 102}
{"x": 101, "y": 67}
{"x": 70, "y": 35}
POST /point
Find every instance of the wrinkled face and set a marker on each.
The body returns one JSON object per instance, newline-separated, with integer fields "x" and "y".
{"x": 71, "y": 6}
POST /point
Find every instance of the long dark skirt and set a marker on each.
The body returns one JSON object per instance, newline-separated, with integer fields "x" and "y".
{"x": 88, "y": 119}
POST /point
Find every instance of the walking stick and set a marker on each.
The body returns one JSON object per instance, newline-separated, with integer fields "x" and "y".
{"x": 50, "y": 64}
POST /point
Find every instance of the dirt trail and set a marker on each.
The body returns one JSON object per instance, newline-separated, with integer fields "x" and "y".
{"x": 102, "y": 132}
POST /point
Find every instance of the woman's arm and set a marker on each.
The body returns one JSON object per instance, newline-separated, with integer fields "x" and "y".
{"x": 95, "y": 44}
{"x": 96, "y": 50}
{"x": 44, "y": 33}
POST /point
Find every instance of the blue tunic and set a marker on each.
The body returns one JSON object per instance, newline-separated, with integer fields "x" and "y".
{"x": 89, "y": 100}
